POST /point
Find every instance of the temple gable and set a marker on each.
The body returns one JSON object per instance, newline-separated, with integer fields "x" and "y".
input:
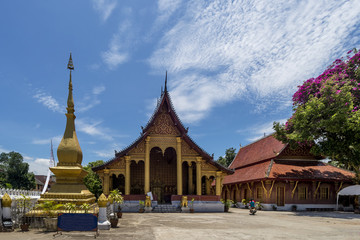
{"x": 163, "y": 125}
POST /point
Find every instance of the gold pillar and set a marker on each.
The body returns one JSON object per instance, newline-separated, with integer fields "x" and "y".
{"x": 208, "y": 184}
{"x": 198, "y": 175}
{"x": 218, "y": 183}
{"x": 190, "y": 186}
{"x": 106, "y": 181}
{"x": 147, "y": 165}
{"x": 127, "y": 175}
{"x": 179, "y": 166}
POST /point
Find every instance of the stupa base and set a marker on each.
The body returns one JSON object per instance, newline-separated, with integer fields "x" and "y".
{"x": 84, "y": 196}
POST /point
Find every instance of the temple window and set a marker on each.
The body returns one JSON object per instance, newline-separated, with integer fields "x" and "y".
{"x": 303, "y": 193}
{"x": 324, "y": 193}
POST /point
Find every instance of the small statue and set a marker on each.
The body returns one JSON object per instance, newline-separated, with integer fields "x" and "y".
{"x": 184, "y": 201}
{"x": 147, "y": 201}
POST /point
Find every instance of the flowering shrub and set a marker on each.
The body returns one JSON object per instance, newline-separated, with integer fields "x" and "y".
{"x": 326, "y": 116}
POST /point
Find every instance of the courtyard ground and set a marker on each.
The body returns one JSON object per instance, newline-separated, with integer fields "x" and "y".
{"x": 237, "y": 224}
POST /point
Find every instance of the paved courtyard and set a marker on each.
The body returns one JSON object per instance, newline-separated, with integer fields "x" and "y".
{"x": 237, "y": 224}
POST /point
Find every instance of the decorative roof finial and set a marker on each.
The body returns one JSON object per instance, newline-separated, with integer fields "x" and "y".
{"x": 70, "y": 63}
{"x": 70, "y": 101}
{"x": 165, "y": 90}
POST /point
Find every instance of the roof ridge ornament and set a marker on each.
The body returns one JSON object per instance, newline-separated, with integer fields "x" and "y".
{"x": 165, "y": 90}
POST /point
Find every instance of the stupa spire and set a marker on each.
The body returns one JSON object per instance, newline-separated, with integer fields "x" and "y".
{"x": 165, "y": 90}
{"x": 69, "y": 151}
{"x": 70, "y": 101}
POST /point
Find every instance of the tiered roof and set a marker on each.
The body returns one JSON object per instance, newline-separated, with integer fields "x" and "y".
{"x": 269, "y": 159}
{"x": 165, "y": 100}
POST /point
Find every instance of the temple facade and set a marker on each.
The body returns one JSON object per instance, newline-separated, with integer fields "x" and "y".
{"x": 165, "y": 161}
{"x": 282, "y": 178}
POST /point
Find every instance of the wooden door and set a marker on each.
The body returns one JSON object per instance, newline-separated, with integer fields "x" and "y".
{"x": 280, "y": 197}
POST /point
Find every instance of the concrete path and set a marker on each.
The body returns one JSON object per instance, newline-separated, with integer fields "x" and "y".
{"x": 237, "y": 224}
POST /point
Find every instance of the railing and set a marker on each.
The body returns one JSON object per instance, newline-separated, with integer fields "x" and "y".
{"x": 17, "y": 192}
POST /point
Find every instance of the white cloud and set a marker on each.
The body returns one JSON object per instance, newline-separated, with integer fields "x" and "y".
{"x": 55, "y": 140}
{"x": 108, "y": 152}
{"x": 91, "y": 100}
{"x": 220, "y": 51}
{"x": 166, "y": 8}
{"x": 105, "y": 153}
{"x": 48, "y": 101}
{"x": 93, "y": 129}
{"x": 104, "y": 7}
{"x": 39, "y": 166}
{"x": 259, "y": 130}
{"x": 119, "y": 46}
{"x": 98, "y": 89}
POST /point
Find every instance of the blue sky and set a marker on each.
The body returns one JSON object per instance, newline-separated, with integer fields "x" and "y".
{"x": 232, "y": 68}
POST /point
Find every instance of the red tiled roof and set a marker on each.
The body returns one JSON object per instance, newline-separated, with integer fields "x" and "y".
{"x": 263, "y": 149}
{"x": 308, "y": 170}
{"x": 250, "y": 173}
{"x": 41, "y": 178}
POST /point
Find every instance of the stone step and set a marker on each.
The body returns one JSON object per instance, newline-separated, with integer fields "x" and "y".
{"x": 165, "y": 209}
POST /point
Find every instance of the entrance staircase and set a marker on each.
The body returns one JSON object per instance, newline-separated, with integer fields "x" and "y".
{"x": 165, "y": 208}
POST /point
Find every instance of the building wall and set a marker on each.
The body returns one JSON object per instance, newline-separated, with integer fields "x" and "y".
{"x": 303, "y": 194}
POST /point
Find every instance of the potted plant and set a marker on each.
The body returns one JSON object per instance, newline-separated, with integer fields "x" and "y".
{"x": 141, "y": 206}
{"x": 192, "y": 205}
{"x": 227, "y": 203}
{"x": 259, "y": 206}
{"x": 23, "y": 203}
{"x": 71, "y": 207}
{"x": 50, "y": 209}
{"x": 85, "y": 207}
{"x": 115, "y": 195}
{"x": 245, "y": 202}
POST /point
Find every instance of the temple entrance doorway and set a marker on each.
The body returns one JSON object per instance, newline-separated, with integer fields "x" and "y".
{"x": 118, "y": 182}
{"x": 163, "y": 174}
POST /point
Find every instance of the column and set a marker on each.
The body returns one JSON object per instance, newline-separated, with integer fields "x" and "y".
{"x": 190, "y": 186}
{"x": 179, "y": 166}
{"x": 218, "y": 183}
{"x": 198, "y": 175}
{"x": 127, "y": 175}
{"x": 208, "y": 185}
{"x": 147, "y": 165}
{"x": 106, "y": 181}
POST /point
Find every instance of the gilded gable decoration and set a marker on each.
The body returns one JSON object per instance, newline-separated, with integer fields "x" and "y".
{"x": 164, "y": 125}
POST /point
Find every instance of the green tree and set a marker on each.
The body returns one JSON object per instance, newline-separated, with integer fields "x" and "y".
{"x": 326, "y": 114}
{"x": 92, "y": 180}
{"x": 15, "y": 172}
{"x": 228, "y": 158}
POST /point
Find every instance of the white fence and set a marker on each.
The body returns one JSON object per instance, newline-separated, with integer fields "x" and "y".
{"x": 14, "y": 193}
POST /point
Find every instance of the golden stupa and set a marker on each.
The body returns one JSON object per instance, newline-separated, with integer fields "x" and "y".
{"x": 69, "y": 186}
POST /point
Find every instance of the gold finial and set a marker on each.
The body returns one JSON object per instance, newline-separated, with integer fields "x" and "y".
{"x": 70, "y": 63}
{"x": 6, "y": 200}
{"x": 70, "y": 101}
{"x": 102, "y": 201}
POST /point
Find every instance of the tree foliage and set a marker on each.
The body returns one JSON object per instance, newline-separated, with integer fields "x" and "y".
{"x": 15, "y": 172}
{"x": 326, "y": 113}
{"x": 92, "y": 180}
{"x": 228, "y": 158}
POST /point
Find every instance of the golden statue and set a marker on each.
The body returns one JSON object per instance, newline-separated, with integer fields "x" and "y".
{"x": 184, "y": 201}
{"x": 147, "y": 201}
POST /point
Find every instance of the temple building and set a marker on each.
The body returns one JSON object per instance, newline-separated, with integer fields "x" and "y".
{"x": 282, "y": 178}
{"x": 165, "y": 161}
